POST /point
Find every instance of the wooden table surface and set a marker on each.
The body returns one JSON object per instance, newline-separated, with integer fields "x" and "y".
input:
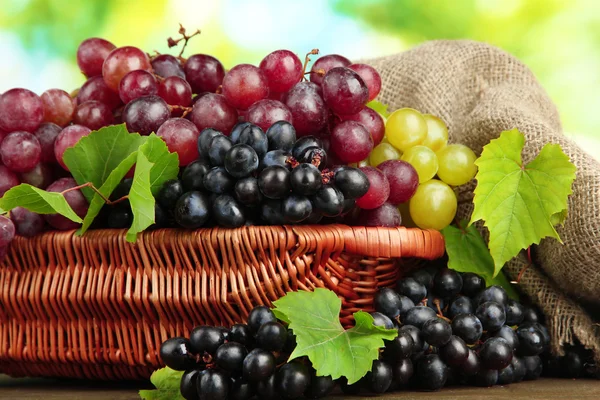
{"x": 543, "y": 389}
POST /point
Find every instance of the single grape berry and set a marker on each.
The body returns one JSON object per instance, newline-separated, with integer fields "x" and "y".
{"x": 530, "y": 314}
{"x": 271, "y": 336}
{"x": 472, "y": 365}
{"x": 468, "y": 327}
{"x": 531, "y": 340}
{"x": 240, "y": 389}
{"x": 188, "y": 385}
{"x": 256, "y": 138}
{"x": 275, "y": 157}
{"x": 415, "y": 334}
{"x": 400, "y": 347}
{"x": 411, "y": 289}
{"x": 514, "y": 312}
{"x": 145, "y": 114}
{"x": 431, "y": 372}
{"x": 297, "y": 208}
{"x": 258, "y": 365}
{"x": 240, "y": 333}
{"x": 486, "y": 378}
{"x": 281, "y": 136}
{"x": 292, "y": 380}
{"x": 305, "y": 179}
{"x": 241, "y": 160}
{"x": 213, "y": 384}
{"x": 218, "y": 148}
{"x": 344, "y": 91}
{"x": 192, "y": 177}
{"x": 491, "y": 315}
{"x": 329, "y": 201}
{"x": 506, "y": 375}
{"x": 169, "y": 193}
{"x": 204, "y": 73}
{"x": 403, "y": 371}
{"x": 447, "y": 283}
{"x": 379, "y": 379}
{"x": 119, "y": 218}
{"x": 192, "y": 210}
{"x": 227, "y": 212}
{"x": 455, "y": 352}
{"x": 271, "y": 212}
{"x": 378, "y": 191}
{"x": 247, "y": 192}
{"x": 218, "y": 181}
{"x": 423, "y": 276}
{"x": 436, "y": 332}
{"x": 320, "y": 386}
{"x": 472, "y": 284}
{"x": 7, "y": 231}
{"x": 495, "y": 353}
{"x": 177, "y": 354}
{"x": 460, "y": 305}
{"x": 274, "y": 182}
{"x": 206, "y": 339}
{"x": 304, "y": 143}
{"x": 387, "y": 302}
{"x": 230, "y": 357}
{"x": 352, "y": 182}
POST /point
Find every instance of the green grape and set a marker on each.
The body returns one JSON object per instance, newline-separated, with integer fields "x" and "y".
{"x": 424, "y": 160}
{"x": 437, "y": 133}
{"x": 383, "y": 152}
{"x": 384, "y": 140}
{"x": 433, "y": 206}
{"x": 456, "y": 164}
{"x": 405, "y": 128}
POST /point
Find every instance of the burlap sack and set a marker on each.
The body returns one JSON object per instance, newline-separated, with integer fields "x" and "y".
{"x": 480, "y": 91}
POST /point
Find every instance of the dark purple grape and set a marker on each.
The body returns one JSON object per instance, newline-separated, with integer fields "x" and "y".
{"x": 386, "y": 215}
{"x": 204, "y": 73}
{"x": 175, "y": 91}
{"x": 136, "y": 84}
{"x": 96, "y": 89}
{"x": 323, "y": 64}
{"x": 177, "y": 354}
{"x": 166, "y": 65}
{"x": 329, "y": 201}
{"x": 495, "y": 353}
{"x": 344, "y": 91}
{"x": 145, "y": 114}
{"x": 308, "y": 109}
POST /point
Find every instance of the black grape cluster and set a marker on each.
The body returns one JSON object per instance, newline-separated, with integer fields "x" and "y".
{"x": 245, "y": 361}
{"x": 253, "y": 177}
{"x": 454, "y": 330}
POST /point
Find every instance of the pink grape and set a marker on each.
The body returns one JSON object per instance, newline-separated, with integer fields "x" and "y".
{"x": 308, "y": 108}
{"x": 181, "y": 137}
{"x": 122, "y": 60}
{"x": 204, "y": 73}
{"x": 370, "y": 76}
{"x": 265, "y": 113}
{"x": 74, "y": 198}
{"x": 372, "y": 122}
{"x": 96, "y": 89}
{"x": 93, "y": 114}
{"x": 46, "y": 134}
{"x": 20, "y": 110}
{"x": 58, "y": 107}
{"x": 351, "y": 142}
{"x": 385, "y": 215}
{"x": 166, "y": 65}
{"x": 344, "y": 91}
{"x": 27, "y": 223}
{"x": 136, "y": 84}
{"x": 91, "y": 55}
{"x": 212, "y": 111}
{"x": 175, "y": 91}
{"x": 68, "y": 137}
{"x": 403, "y": 180}
{"x": 8, "y": 180}
{"x": 325, "y": 63}
{"x": 40, "y": 176}
{"x": 145, "y": 114}
{"x": 379, "y": 189}
{"x": 20, "y": 151}
{"x": 244, "y": 85}
{"x": 283, "y": 70}
{"x": 7, "y": 231}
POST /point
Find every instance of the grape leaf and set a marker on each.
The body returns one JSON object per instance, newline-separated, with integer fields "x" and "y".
{"x": 517, "y": 202}
{"x": 95, "y": 156}
{"x": 140, "y": 198}
{"x": 320, "y": 335}
{"x": 166, "y": 165}
{"x": 166, "y": 382}
{"x": 379, "y": 107}
{"x": 38, "y": 201}
{"x": 467, "y": 252}
{"x": 114, "y": 178}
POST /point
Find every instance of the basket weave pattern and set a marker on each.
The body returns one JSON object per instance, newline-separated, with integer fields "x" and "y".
{"x": 99, "y": 307}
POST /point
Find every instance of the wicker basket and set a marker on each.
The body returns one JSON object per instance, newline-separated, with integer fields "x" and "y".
{"x": 98, "y": 307}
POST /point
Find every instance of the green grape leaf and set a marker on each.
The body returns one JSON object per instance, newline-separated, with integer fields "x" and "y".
{"x": 166, "y": 381}
{"x": 517, "y": 202}
{"x": 379, "y": 107}
{"x": 140, "y": 198}
{"x": 166, "y": 165}
{"x": 114, "y": 178}
{"x": 38, "y": 201}
{"x": 467, "y": 252}
{"x": 95, "y": 156}
{"x": 331, "y": 349}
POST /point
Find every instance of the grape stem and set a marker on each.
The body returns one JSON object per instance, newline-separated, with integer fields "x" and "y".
{"x": 436, "y": 302}
{"x": 327, "y": 176}
{"x": 186, "y": 38}
{"x": 292, "y": 161}
{"x": 307, "y": 60}
{"x": 186, "y": 110}
{"x": 91, "y": 186}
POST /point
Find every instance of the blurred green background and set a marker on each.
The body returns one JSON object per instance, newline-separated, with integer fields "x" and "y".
{"x": 558, "y": 40}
